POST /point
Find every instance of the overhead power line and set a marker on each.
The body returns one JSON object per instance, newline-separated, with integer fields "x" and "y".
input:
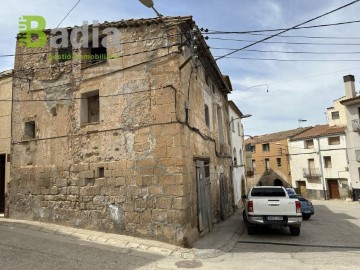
{"x": 287, "y": 52}
{"x": 293, "y": 60}
{"x": 219, "y": 32}
{"x": 68, "y": 13}
{"x": 309, "y": 37}
{"x": 286, "y": 30}
{"x": 285, "y": 42}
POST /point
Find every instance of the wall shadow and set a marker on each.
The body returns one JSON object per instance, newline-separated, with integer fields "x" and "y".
{"x": 37, "y": 247}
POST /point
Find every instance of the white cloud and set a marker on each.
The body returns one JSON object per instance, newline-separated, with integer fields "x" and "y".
{"x": 307, "y": 97}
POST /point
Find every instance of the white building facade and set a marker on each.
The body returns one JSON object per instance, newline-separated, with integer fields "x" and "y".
{"x": 237, "y": 145}
{"x": 352, "y": 108}
{"x": 319, "y": 164}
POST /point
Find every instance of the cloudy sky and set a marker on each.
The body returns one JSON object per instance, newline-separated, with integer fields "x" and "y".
{"x": 302, "y": 79}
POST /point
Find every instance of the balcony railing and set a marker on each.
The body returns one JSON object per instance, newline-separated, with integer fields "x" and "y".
{"x": 356, "y": 125}
{"x": 311, "y": 173}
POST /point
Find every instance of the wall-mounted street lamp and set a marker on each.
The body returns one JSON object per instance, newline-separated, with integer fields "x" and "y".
{"x": 150, "y": 4}
{"x": 241, "y": 117}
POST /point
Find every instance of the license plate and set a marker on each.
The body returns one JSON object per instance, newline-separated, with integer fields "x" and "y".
{"x": 275, "y": 218}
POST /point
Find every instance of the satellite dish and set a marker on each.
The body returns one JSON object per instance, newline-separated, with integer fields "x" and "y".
{"x": 148, "y": 3}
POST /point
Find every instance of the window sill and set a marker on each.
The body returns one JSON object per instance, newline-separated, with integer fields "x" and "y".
{"x": 28, "y": 139}
{"x": 90, "y": 124}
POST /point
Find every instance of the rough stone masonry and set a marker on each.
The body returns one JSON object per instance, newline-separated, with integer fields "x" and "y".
{"x": 112, "y": 145}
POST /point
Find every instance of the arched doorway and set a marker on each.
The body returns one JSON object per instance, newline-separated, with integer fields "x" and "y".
{"x": 278, "y": 183}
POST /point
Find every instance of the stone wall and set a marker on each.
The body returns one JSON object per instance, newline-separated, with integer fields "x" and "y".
{"x": 132, "y": 172}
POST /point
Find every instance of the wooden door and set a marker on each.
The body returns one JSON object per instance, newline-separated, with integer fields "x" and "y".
{"x": 333, "y": 186}
{"x": 2, "y": 183}
{"x": 204, "y": 196}
{"x": 302, "y": 188}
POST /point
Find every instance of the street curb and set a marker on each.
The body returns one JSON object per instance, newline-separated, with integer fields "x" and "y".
{"x": 118, "y": 240}
{"x": 127, "y": 242}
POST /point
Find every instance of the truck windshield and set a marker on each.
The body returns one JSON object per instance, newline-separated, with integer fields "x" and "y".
{"x": 268, "y": 192}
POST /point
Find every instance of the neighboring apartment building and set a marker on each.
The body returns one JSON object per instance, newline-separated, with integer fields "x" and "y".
{"x": 137, "y": 144}
{"x": 267, "y": 159}
{"x": 319, "y": 164}
{"x": 351, "y": 104}
{"x": 5, "y": 134}
{"x": 237, "y": 145}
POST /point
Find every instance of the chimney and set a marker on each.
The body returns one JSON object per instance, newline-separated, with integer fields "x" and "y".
{"x": 349, "y": 81}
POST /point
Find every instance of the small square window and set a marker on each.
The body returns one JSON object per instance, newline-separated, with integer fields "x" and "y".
{"x": 357, "y": 154}
{"x": 29, "y": 130}
{"x": 101, "y": 172}
{"x": 309, "y": 144}
{"x": 327, "y": 162}
{"x": 334, "y": 140}
{"x": 265, "y": 147}
{"x": 253, "y": 148}
{"x": 335, "y": 115}
{"x": 90, "y": 107}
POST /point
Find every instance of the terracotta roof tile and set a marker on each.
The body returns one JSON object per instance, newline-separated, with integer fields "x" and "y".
{"x": 346, "y": 101}
{"x": 319, "y": 131}
{"x": 282, "y": 135}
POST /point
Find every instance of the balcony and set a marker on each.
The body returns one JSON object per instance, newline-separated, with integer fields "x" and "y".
{"x": 356, "y": 125}
{"x": 311, "y": 173}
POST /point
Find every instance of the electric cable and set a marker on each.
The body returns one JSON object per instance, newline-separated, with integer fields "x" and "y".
{"x": 68, "y": 13}
{"x": 217, "y": 32}
{"x": 288, "y": 29}
{"x": 286, "y": 52}
{"x": 291, "y": 60}
{"x": 285, "y": 42}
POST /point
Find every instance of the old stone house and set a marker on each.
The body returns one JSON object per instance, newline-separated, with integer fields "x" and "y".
{"x": 135, "y": 143}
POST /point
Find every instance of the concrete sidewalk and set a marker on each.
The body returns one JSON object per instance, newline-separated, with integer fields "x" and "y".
{"x": 222, "y": 238}
{"x": 219, "y": 241}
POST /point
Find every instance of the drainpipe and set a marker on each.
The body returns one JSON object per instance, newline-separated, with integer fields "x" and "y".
{"x": 321, "y": 169}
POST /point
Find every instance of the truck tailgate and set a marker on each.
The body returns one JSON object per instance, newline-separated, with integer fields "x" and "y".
{"x": 279, "y": 206}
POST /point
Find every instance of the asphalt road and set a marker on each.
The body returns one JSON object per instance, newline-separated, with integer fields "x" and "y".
{"x": 329, "y": 240}
{"x": 30, "y": 250}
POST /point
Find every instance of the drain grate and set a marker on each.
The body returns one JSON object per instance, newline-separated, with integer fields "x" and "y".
{"x": 189, "y": 264}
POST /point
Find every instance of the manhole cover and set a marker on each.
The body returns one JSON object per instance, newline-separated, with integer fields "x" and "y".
{"x": 188, "y": 264}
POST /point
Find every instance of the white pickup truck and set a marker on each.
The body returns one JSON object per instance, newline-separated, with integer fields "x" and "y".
{"x": 271, "y": 206}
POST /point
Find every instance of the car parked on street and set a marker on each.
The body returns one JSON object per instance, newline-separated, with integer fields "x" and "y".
{"x": 271, "y": 206}
{"x": 307, "y": 208}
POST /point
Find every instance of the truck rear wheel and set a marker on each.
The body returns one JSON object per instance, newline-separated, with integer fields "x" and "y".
{"x": 295, "y": 231}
